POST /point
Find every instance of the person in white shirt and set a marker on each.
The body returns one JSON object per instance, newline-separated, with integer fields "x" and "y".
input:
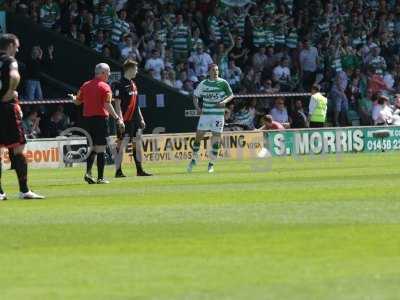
{"x": 281, "y": 73}
{"x": 279, "y": 112}
{"x": 130, "y": 50}
{"x": 308, "y": 65}
{"x": 382, "y": 113}
{"x": 233, "y": 75}
{"x": 156, "y": 64}
{"x": 200, "y": 60}
{"x": 396, "y": 111}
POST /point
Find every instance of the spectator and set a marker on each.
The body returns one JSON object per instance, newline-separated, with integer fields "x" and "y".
{"x": 299, "y": 116}
{"x": 268, "y": 123}
{"x": 245, "y": 114}
{"x": 100, "y": 42}
{"x": 165, "y": 78}
{"x": 279, "y": 112}
{"x": 239, "y": 53}
{"x": 221, "y": 56}
{"x": 365, "y": 108}
{"x": 180, "y": 39}
{"x": 155, "y": 63}
{"x": 281, "y": 74}
{"x": 73, "y": 32}
{"x": 120, "y": 28}
{"x": 377, "y": 62}
{"x": 308, "y": 64}
{"x": 382, "y": 113}
{"x": 214, "y": 24}
{"x": 34, "y": 67}
{"x": 130, "y": 50}
{"x": 49, "y": 14}
{"x": 259, "y": 59}
{"x": 234, "y": 75}
{"x": 339, "y": 98}
{"x": 88, "y": 29}
{"x": 55, "y": 125}
{"x": 105, "y": 17}
{"x": 31, "y": 125}
{"x": 200, "y": 61}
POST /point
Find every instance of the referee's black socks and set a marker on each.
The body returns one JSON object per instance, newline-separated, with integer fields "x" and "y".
{"x": 21, "y": 168}
{"x": 90, "y": 161}
{"x": 100, "y": 165}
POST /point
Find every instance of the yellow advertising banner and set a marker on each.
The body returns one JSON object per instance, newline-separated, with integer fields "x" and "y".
{"x": 171, "y": 147}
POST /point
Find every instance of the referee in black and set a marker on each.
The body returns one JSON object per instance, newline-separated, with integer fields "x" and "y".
{"x": 12, "y": 134}
{"x": 127, "y": 107}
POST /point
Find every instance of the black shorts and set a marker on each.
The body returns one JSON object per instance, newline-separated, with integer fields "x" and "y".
{"x": 130, "y": 130}
{"x": 97, "y": 127}
{"x": 11, "y": 131}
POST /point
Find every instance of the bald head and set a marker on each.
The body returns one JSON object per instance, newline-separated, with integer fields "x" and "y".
{"x": 102, "y": 71}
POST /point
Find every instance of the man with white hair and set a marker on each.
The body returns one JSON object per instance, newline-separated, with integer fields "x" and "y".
{"x": 96, "y": 97}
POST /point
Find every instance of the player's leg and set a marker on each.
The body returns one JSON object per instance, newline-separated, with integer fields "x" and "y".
{"x": 101, "y": 163}
{"x": 122, "y": 142}
{"x": 217, "y": 126}
{"x": 89, "y": 124}
{"x": 215, "y": 146}
{"x": 21, "y": 169}
{"x": 119, "y": 154}
{"x": 2, "y": 139}
{"x": 2, "y": 194}
{"x": 137, "y": 154}
{"x": 14, "y": 140}
{"x": 100, "y": 141}
{"x": 196, "y": 148}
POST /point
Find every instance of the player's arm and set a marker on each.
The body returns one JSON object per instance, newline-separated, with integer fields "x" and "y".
{"x": 141, "y": 119}
{"x": 196, "y": 104}
{"x": 110, "y": 108}
{"x": 227, "y": 99}
{"x": 196, "y": 96}
{"x": 118, "y": 109}
{"x": 11, "y": 93}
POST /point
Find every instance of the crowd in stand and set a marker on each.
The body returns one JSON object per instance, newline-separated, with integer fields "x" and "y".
{"x": 350, "y": 48}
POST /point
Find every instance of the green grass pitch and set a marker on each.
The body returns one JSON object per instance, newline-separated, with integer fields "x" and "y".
{"x": 311, "y": 228}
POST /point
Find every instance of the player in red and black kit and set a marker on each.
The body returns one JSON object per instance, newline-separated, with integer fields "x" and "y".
{"x": 126, "y": 106}
{"x": 12, "y": 134}
{"x": 96, "y": 97}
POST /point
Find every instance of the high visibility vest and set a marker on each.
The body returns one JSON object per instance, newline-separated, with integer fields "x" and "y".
{"x": 319, "y": 113}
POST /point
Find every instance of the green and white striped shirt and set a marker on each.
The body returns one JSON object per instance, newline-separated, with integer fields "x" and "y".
{"x": 181, "y": 38}
{"x": 213, "y": 25}
{"x": 270, "y": 8}
{"x": 120, "y": 28}
{"x": 270, "y": 36}
{"x": 213, "y": 92}
{"x": 292, "y": 39}
{"x": 279, "y": 37}
{"x": 240, "y": 24}
{"x": 49, "y": 14}
{"x": 259, "y": 37}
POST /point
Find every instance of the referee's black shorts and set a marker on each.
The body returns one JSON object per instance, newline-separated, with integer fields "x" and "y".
{"x": 11, "y": 131}
{"x": 97, "y": 127}
{"x": 130, "y": 130}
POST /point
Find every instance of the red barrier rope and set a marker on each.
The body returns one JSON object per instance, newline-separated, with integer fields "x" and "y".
{"x": 264, "y": 95}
